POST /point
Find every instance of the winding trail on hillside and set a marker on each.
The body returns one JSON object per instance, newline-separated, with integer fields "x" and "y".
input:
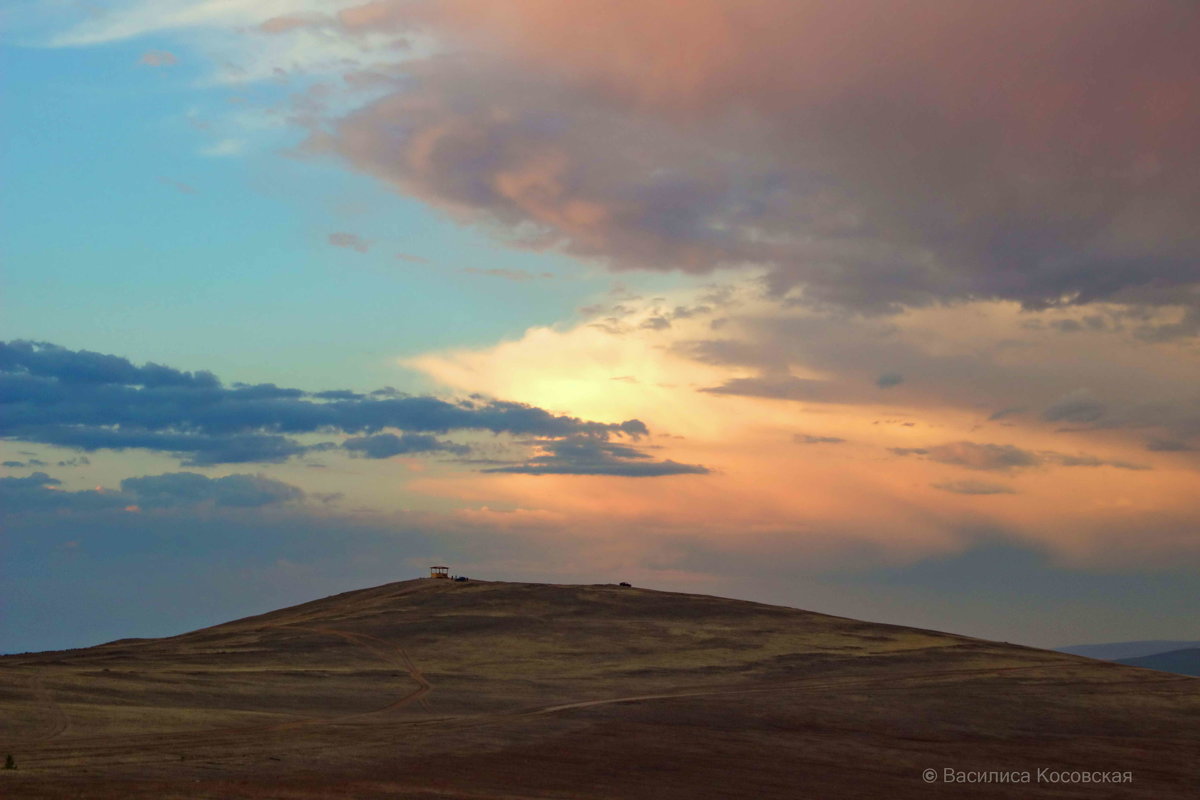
{"x": 390, "y": 653}
{"x": 59, "y": 721}
{"x": 875, "y": 683}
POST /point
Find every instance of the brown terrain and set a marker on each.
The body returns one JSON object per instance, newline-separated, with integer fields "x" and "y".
{"x": 436, "y": 689}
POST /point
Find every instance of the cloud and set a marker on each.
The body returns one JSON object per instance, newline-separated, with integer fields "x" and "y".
{"x": 974, "y": 487}
{"x": 34, "y": 462}
{"x": 20, "y": 359}
{"x": 1078, "y": 406}
{"x": 41, "y": 493}
{"x": 804, "y": 438}
{"x": 224, "y": 148}
{"x": 1083, "y": 460}
{"x": 176, "y": 489}
{"x": 1006, "y": 457}
{"x": 656, "y": 323}
{"x": 351, "y": 241}
{"x": 386, "y": 445}
{"x": 889, "y": 379}
{"x": 844, "y": 149}
{"x": 1161, "y": 445}
{"x": 193, "y": 449}
{"x": 780, "y": 387}
{"x": 93, "y": 401}
{"x": 158, "y": 58}
{"x": 983, "y": 456}
{"x": 588, "y": 456}
{"x": 140, "y": 17}
{"x": 865, "y": 175}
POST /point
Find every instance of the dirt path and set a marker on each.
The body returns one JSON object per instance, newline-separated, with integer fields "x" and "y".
{"x": 59, "y": 722}
{"x": 390, "y": 653}
{"x": 891, "y": 682}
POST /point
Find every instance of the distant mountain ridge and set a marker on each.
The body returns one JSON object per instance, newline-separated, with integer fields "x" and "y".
{"x": 1115, "y": 651}
{"x": 1182, "y": 662}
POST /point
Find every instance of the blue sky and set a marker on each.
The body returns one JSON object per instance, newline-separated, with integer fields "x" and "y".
{"x": 117, "y": 222}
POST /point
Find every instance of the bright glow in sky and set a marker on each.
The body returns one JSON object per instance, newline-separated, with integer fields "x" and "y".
{"x": 882, "y": 312}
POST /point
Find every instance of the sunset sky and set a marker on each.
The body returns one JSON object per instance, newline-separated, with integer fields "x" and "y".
{"x": 885, "y": 309}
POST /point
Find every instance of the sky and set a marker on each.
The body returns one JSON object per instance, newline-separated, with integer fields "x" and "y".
{"x": 888, "y": 310}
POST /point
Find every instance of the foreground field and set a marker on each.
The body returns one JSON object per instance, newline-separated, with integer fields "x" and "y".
{"x": 434, "y": 689}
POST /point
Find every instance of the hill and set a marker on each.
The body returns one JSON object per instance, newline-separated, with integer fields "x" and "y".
{"x": 1182, "y": 662}
{"x": 1114, "y": 651}
{"x": 434, "y": 689}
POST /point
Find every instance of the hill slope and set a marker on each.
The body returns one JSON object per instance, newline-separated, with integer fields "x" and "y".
{"x": 425, "y": 689}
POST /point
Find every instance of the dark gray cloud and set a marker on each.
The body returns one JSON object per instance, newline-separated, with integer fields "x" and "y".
{"x": 40, "y": 492}
{"x": 804, "y": 438}
{"x": 79, "y": 367}
{"x": 386, "y": 445}
{"x": 974, "y": 487}
{"x": 1006, "y": 457}
{"x": 92, "y": 401}
{"x": 983, "y": 456}
{"x": 889, "y": 379}
{"x": 1005, "y": 412}
{"x": 590, "y": 456}
{"x": 175, "y": 489}
{"x": 1161, "y": 445}
{"x": 1084, "y": 460}
{"x": 192, "y": 449}
{"x": 1078, "y": 406}
{"x": 781, "y": 387}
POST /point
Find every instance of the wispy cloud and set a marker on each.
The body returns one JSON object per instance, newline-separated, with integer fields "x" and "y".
{"x": 158, "y": 58}
{"x": 224, "y": 148}
{"x": 351, "y": 241}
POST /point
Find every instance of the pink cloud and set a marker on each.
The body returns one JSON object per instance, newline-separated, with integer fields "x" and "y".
{"x": 872, "y": 154}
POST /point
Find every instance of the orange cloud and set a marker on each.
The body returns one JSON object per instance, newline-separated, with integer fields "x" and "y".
{"x": 850, "y": 497}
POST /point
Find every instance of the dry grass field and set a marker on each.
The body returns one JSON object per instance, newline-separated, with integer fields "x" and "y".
{"x": 435, "y": 689}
